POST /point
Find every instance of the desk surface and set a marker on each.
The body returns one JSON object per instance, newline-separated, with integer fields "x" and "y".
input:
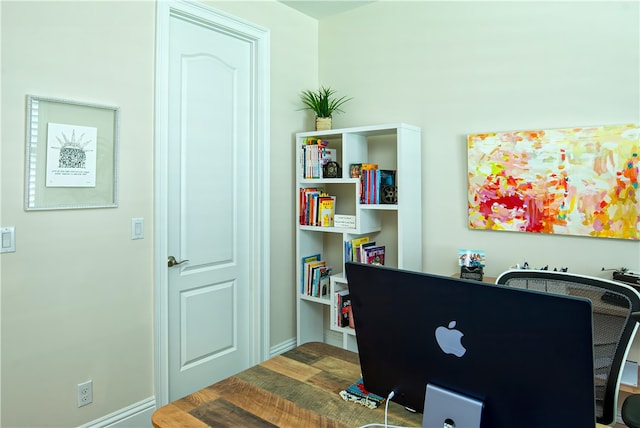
{"x": 296, "y": 389}
{"x": 281, "y": 392}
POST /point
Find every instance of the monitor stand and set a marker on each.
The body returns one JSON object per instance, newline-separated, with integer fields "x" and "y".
{"x": 447, "y": 409}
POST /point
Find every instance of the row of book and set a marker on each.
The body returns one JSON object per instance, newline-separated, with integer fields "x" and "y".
{"x": 363, "y": 250}
{"x": 314, "y": 155}
{"x": 372, "y": 179}
{"x": 372, "y": 182}
{"x": 315, "y": 276}
{"x": 317, "y": 208}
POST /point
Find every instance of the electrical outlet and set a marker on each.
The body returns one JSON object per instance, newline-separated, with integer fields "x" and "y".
{"x": 85, "y": 393}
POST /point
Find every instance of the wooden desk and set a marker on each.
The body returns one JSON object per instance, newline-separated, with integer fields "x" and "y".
{"x": 296, "y": 389}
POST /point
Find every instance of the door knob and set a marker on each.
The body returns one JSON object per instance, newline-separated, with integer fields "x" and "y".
{"x": 171, "y": 261}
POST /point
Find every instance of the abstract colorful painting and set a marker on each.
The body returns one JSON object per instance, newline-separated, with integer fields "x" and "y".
{"x": 573, "y": 181}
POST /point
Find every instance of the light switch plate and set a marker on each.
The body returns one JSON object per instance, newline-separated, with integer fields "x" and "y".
{"x": 137, "y": 228}
{"x": 7, "y": 240}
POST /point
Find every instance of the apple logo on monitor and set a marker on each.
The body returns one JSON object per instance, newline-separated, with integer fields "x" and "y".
{"x": 450, "y": 340}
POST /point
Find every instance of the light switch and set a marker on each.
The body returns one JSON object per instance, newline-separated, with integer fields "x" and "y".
{"x": 8, "y": 240}
{"x": 137, "y": 228}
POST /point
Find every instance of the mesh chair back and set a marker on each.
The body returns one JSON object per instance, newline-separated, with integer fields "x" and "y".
{"x": 613, "y": 327}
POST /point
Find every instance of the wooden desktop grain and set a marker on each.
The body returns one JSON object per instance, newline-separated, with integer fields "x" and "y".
{"x": 296, "y": 389}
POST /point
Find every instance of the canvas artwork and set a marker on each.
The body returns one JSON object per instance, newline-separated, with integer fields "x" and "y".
{"x": 571, "y": 181}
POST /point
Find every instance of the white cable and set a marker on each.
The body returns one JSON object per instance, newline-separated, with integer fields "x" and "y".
{"x": 386, "y": 409}
{"x": 386, "y": 415}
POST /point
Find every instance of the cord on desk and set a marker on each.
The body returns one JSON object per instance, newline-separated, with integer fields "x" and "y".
{"x": 386, "y": 408}
{"x": 386, "y": 415}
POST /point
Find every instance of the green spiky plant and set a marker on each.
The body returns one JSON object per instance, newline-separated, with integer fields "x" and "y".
{"x": 322, "y": 102}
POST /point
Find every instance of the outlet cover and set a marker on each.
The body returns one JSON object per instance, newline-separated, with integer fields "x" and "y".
{"x": 85, "y": 393}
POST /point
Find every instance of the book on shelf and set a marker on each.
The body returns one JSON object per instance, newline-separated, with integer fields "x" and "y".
{"x": 372, "y": 180}
{"x": 372, "y": 186}
{"x": 354, "y": 247}
{"x": 343, "y": 304}
{"x": 387, "y": 177}
{"x": 314, "y": 155}
{"x": 355, "y": 169}
{"x": 374, "y": 255}
{"x": 362, "y": 251}
{"x": 317, "y": 208}
{"x": 324, "y": 280}
{"x": 308, "y": 275}
{"x": 305, "y": 260}
{"x": 315, "y": 276}
{"x": 327, "y": 211}
{"x": 304, "y": 203}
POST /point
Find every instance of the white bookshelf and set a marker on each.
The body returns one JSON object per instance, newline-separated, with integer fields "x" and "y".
{"x": 397, "y": 226}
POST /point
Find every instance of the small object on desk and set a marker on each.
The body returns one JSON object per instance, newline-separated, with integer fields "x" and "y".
{"x": 615, "y": 299}
{"x": 628, "y": 277}
{"x": 472, "y": 263}
{"x": 474, "y": 273}
{"x": 358, "y": 394}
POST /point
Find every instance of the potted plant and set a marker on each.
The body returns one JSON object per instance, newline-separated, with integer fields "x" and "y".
{"x": 323, "y": 103}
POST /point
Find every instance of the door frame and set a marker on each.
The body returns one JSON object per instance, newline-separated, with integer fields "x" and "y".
{"x": 258, "y": 167}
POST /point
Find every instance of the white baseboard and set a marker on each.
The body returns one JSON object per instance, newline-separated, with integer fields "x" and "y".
{"x": 137, "y": 415}
{"x": 280, "y": 348}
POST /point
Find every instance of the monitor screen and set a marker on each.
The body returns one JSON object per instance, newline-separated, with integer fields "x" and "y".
{"x": 527, "y": 356}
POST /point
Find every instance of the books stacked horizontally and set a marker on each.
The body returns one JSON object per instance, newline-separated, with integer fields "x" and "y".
{"x": 316, "y": 207}
{"x": 363, "y": 250}
{"x": 374, "y": 182}
{"x": 314, "y": 155}
{"x": 315, "y": 276}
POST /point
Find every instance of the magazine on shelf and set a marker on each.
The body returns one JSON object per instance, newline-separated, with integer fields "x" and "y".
{"x": 374, "y": 255}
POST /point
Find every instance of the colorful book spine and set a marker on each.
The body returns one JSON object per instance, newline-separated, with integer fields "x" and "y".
{"x": 327, "y": 211}
{"x": 305, "y": 260}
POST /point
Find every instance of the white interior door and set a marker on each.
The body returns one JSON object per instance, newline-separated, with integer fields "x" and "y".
{"x": 213, "y": 329}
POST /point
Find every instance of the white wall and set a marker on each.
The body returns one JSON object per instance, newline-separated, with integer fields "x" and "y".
{"x": 77, "y": 296}
{"x": 455, "y": 68}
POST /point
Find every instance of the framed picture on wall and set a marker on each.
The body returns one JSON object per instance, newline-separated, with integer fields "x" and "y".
{"x": 580, "y": 181}
{"x": 71, "y": 155}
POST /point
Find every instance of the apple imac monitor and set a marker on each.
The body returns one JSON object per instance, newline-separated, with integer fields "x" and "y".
{"x": 525, "y": 356}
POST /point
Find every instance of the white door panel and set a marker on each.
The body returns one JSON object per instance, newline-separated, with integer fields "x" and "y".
{"x": 204, "y": 306}
{"x": 210, "y": 106}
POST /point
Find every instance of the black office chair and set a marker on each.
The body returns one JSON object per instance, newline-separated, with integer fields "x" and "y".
{"x": 631, "y": 405}
{"x": 614, "y": 326}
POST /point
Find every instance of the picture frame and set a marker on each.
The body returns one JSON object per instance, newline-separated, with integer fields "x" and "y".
{"x": 71, "y": 154}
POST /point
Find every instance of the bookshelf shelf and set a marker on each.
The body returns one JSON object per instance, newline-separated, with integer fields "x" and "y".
{"x": 329, "y": 180}
{"x": 380, "y": 207}
{"x": 394, "y": 147}
{"x": 341, "y": 229}
{"x": 321, "y": 300}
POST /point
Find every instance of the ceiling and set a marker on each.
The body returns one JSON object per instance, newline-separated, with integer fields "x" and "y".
{"x": 319, "y": 9}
